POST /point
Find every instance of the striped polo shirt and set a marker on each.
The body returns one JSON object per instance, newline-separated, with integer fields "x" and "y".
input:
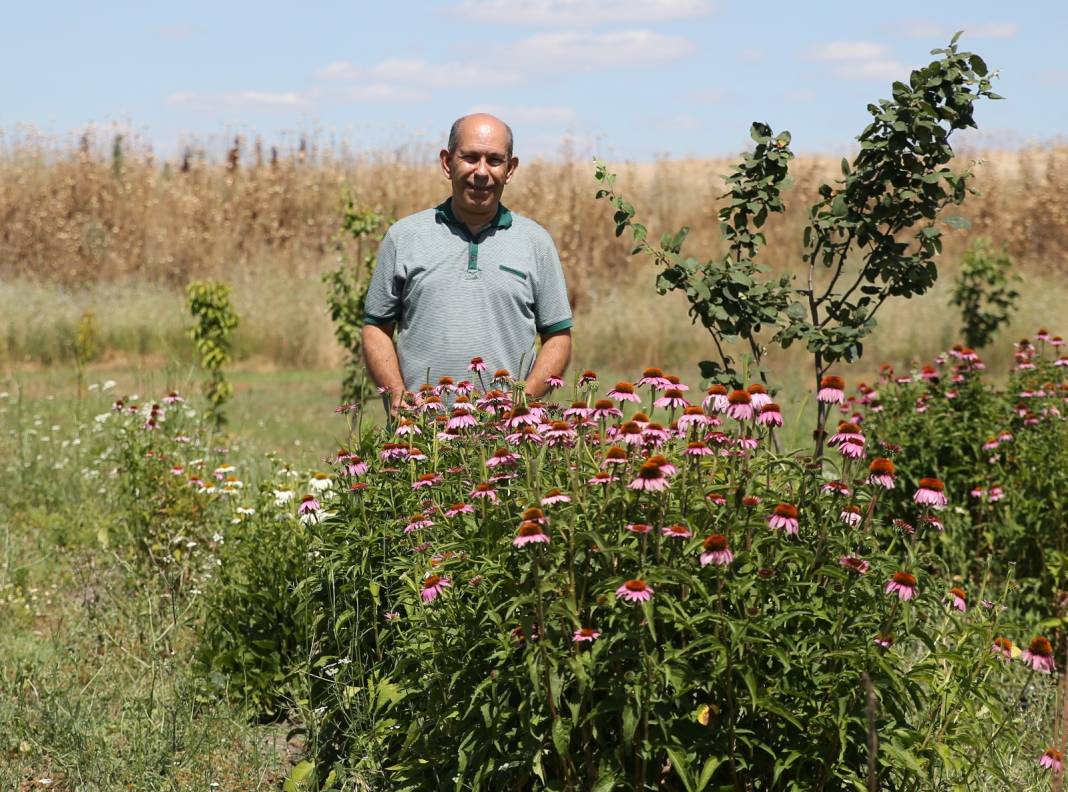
{"x": 453, "y": 295}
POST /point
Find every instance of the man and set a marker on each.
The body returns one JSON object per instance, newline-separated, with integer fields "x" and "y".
{"x": 467, "y": 278}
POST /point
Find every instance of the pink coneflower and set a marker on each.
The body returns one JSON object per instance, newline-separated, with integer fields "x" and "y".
{"x": 929, "y": 373}
{"x": 555, "y": 496}
{"x": 850, "y": 515}
{"x": 636, "y": 590}
{"x": 502, "y": 456}
{"x": 495, "y": 401}
{"x": 654, "y": 377}
{"x": 675, "y": 382}
{"x": 1061, "y": 361}
{"x": 459, "y": 508}
{"x": 881, "y": 473}
{"x": 641, "y": 419}
{"x": 676, "y": 531}
{"x": 716, "y": 551}
{"x": 502, "y": 376}
{"x": 433, "y": 585}
{"x": 630, "y": 433}
{"x": 883, "y": 640}
{"x": 560, "y": 433}
{"x": 587, "y": 377}
{"x": 445, "y": 385}
{"x": 530, "y": 532}
{"x": 484, "y": 490}
{"x": 1039, "y": 655}
{"x": 672, "y": 398}
{"x": 770, "y": 415}
{"x": 693, "y": 415}
{"x": 697, "y": 449}
{"x": 784, "y": 517}
{"x": 739, "y": 405}
{"x": 903, "y": 584}
{"x": 836, "y": 488}
{"x": 461, "y": 419}
{"x": 602, "y": 477}
{"x": 1002, "y": 646}
{"x": 930, "y": 521}
{"x": 995, "y": 494}
{"x": 426, "y": 480}
{"x": 957, "y": 598}
{"x": 639, "y": 528}
{"x": 554, "y": 382}
{"x": 614, "y": 455}
{"x": 519, "y": 416}
{"x": 604, "y": 409}
{"x": 587, "y": 634}
{"x": 431, "y": 403}
{"x": 848, "y": 440}
{"x": 716, "y": 400}
{"x": 991, "y": 444}
{"x": 931, "y": 492}
{"x": 1042, "y": 335}
{"x": 758, "y": 396}
{"x": 308, "y": 505}
{"x": 716, "y": 499}
{"x": 476, "y": 364}
{"x": 534, "y": 514}
{"x": 854, "y": 564}
{"x": 751, "y": 500}
{"x": 666, "y": 467}
{"x": 902, "y": 526}
{"x": 650, "y": 477}
{"x": 417, "y": 522}
{"x": 1052, "y": 760}
{"x": 832, "y": 390}
{"x": 624, "y": 391}
{"x": 1056, "y": 341}
{"x": 525, "y": 434}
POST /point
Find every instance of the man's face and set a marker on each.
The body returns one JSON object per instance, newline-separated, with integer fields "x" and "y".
{"x": 479, "y": 168}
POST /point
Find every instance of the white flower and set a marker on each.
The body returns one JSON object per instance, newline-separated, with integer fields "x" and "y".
{"x": 94, "y": 386}
{"x": 320, "y": 482}
{"x": 245, "y": 510}
{"x": 108, "y": 385}
{"x": 102, "y": 417}
{"x": 283, "y": 496}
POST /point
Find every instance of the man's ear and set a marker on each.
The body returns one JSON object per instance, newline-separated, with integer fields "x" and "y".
{"x": 446, "y": 163}
{"x": 513, "y": 163}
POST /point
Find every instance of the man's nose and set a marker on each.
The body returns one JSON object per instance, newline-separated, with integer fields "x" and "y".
{"x": 483, "y": 169}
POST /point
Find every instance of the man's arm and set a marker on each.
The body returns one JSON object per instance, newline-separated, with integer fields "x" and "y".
{"x": 381, "y": 358}
{"x": 552, "y": 360}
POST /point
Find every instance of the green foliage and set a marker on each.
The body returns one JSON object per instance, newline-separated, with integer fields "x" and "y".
{"x": 1003, "y": 452}
{"x": 872, "y": 232}
{"x": 215, "y": 319}
{"x": 743, "y": 675}
{"x": 983, "y": 292}
{"x": 347, "y": 290}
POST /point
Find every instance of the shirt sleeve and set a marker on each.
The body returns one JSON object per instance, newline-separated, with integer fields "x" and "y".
{"x": 382, "y": 305}
{"x": 552, "y": 310}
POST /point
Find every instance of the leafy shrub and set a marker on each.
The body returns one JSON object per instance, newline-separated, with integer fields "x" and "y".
{"x": 514, "y": 595}
{"x": 983, "y": 293}
{"x": 1003, "y": 452}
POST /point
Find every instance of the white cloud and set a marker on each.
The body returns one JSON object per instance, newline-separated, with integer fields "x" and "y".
{"x": 848, "y": 51}
{"x": 341, "y": 71}
{"x": 565, "y": 50}
{"x": 927, "y": 28}
{"x": 860, "y": 60}
{"x": 536, "y": 116}
{"x": 243, "y": 100}
{"x": 580, "y": 12}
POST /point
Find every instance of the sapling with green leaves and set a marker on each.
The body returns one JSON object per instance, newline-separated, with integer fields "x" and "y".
{"x": 983, "y": 292}
{"x": 872, "y": 234}
{"x": 215, "y": 319}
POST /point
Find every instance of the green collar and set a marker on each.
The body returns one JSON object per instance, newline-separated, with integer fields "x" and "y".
{"x": 503, "y": 218}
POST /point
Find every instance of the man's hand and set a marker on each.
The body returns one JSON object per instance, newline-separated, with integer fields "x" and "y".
{"x": 552, "y": 360}
{"x": 381, "y": 358}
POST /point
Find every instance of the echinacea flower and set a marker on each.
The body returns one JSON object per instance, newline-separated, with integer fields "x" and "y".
{"x": 881, "y": 473}
{"x": 739, "y": 405}
{"x": 850, "y": 515}
{"x": 784, "y": 517}
{"x": 1003, "y": 646}
{"x": 308, "y": 504}
{"x": 883, "y": 640}
{"x": 672, "y": 398}
{"x": 654, "y": 377}
{"x": 697, "y": 449}
{"x": 854, "y": 564}
{"x": 614, "y": 455}
{"x": 433, "y": 585}
{"x": 836, "y": 487}
{"x": 636, "y": 590}
{"x": 693, "y": 415}
{"x": 554, "y": 496}
{"x": 476, "y": 364}
{"x": 716, "y": 400}
{"x": 770, "y": 415}
{"x": 502, "y": 456}
{"x": 624, "y": 391}
{"x": 587, "y": 377}
{"x": 426, "y": 480}
{"x": 650, "y": 477}
{"x": 603, "y": 409}
{"x": 957, "y": 598}
{"x": 416, "y": 522}
{"x": 931, "y": 492}
{"x": 676, "y": 531}
{"x": 602, "y": 477}
{"x": 639, "y": 528}
{"x": 903, "y": 584}
{"x": 484, "y": 489}
{"x": 459, "y": 508}
{"x": 585, "y": 634}
{"x": 832, "y": 390}
{"x": 716, "y": 551}
{"x": 1039, "y": 655}
{"x": 554, "y": 382}
{"x": 530, "y": 532}
{"x": 1052, "y": 760}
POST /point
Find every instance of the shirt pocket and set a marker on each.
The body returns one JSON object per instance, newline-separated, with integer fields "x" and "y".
{"x": 513, "y": 271}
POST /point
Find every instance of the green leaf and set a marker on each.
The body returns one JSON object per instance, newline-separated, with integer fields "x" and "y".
{"x": 298, "y": 775}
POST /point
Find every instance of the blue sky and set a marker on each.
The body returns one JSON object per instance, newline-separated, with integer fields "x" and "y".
{"x": 633, "y": 79}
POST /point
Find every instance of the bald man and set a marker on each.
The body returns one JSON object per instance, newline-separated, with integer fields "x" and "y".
{"x": 468, "y": 278}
